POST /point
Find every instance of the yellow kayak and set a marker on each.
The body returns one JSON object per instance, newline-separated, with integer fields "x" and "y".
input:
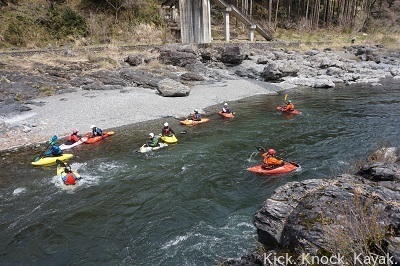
{"x": 190, "y": 122}
{"x": 52, "y": 159}
{"x": 62, "y": 174}
{"x": 171, "y": 139}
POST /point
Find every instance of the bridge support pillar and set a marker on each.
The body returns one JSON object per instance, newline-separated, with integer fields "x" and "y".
{"x": 195, "y": 21}
{"x": 251, "y": 32}
{"x": 227, "y": 34}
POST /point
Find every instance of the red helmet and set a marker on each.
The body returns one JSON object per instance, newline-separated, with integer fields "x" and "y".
{"x": 271, "y": 151}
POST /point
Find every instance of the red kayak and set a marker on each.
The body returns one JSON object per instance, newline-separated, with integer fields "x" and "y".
{"x": 227, "y": 115}
{"x": 286, "y": 168}
{"x": 98, "y": 138}
{"x": 295, "y": 112}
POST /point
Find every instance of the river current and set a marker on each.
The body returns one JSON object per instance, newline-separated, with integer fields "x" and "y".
{"x": 190, "y": 203}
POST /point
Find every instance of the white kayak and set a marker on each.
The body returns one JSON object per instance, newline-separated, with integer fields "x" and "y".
{"x": 146, "y": 148}
{"x": 79, "y": 142}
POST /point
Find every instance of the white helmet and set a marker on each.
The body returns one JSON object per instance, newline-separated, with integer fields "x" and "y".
{"x": 165, "y": 124}
{"x": 151, "y": 135}
{"x": 196, "y": 111}
{"x": 92, "y": 126}
{"x": 225, "y": 104}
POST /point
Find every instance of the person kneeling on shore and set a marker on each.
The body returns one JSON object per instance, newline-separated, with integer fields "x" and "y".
{"x": 270, "y": 161}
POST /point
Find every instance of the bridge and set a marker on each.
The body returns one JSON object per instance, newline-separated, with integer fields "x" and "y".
{"x": 195, "y": 21}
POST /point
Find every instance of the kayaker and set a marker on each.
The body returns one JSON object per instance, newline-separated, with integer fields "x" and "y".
{"x": 54, "y": 150}
{"x": 74, "y": 137}
{"x": 153, "y": 140}
{"x": 289, "y": 106}
{"x": 226, "y": 109}
{"x": 167, "y": 130}
{"x": 70, "y": 178}
{"x": 270, "y": 161}
{"x": 196, "y": 116}
{"x": 96, "y": 131}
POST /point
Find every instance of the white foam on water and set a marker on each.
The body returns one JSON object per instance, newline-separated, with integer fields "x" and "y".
{"x": 19, "y": 191}
{"x": 177, "y": 240}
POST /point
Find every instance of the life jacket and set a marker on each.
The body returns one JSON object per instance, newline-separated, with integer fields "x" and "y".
{"x": 73, "y": 138}
{"x": 70, "y": 179}
{"x": 270, "y": 161}
{"x": 166, "y": 131}
{"x": 289, "y": 107}
{"x": 56, "y": 151}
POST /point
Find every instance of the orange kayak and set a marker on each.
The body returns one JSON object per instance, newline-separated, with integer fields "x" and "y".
{"x": 227, "y": 115}
{"x": 98, "y": 138}
{"x": 189, "y": 122}
{"x": 295, "y": 112}
{"x": 286, "y": 168}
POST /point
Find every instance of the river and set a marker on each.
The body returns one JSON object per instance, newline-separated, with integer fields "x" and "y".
{"x": 190, "y": 203}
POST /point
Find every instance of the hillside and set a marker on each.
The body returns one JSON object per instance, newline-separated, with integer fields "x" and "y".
{"x": 48, "y": 24}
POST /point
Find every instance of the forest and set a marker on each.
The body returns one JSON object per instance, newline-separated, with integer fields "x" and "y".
{"x": 44, "y": 23}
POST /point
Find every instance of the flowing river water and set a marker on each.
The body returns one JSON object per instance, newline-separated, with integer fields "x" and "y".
{"x": 190, "y": 203}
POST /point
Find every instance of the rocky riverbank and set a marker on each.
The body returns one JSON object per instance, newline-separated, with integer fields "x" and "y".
{"x": 116, "y": 87}
{"x": 352, "y": 219}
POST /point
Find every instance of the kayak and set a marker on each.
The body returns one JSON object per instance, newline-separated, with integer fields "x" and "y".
{"x": 62, "y": 174}
{"x": 146, "y": 148}
{"x": 295, "y": 112}
{"x": 171, "y": 139}
{"x": 190, "y": 122}
{"x": 52, "y": 159}
{"x": 98, "y": 138}
{"x": 79, "y": 142}
{"x": 286, "y": 168}
{"x": 227, "y": 115}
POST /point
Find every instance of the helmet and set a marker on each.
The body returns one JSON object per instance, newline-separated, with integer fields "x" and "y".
{"x": 289, "y": 101}
{"x": 225, "y": 104}
{"x": 151, "y": 135}
{"x": 92, "y": 126}
{"x": 196, "y": 111}
{"x": 271, "y": 151}
{"x": 75, "y": 131}
{"x": 165, "y": 124}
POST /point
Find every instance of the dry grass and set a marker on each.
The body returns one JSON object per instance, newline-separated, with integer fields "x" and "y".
{"x": 358, "y": 229}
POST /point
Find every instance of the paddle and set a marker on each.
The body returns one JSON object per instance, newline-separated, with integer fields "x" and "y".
{"x": 61, "y": 163}
{"x": 51, "y": 142}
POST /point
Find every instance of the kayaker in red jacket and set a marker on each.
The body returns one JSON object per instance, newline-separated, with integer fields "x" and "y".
{"x": 70, "y": 178}
{"x": 289, "y": 106}
{"x": 74, "y": 137}
{"x": 167, "y": 130}
{"x": 270, "y": 161}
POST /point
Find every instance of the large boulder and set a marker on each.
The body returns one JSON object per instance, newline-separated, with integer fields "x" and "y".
{"x": 232, "y": 55}
{"x": 178, "y": 55}
{"x": 348, "y": 213}
{"x": 171, "y": 88}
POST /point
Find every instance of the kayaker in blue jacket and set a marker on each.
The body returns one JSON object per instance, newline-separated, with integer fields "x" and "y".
{"x": 153, "y": 140}
{"x": 54, "y": 150}
{"x": 226, "y": 109}
{"x": 196, "y": 116}
{"x": 96, "y": 131}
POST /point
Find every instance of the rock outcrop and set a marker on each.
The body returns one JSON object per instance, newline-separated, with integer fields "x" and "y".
{"x": 356, "y": 215}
